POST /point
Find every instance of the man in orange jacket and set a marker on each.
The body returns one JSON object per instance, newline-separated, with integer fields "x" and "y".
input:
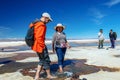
{"x": 39, "y": 45}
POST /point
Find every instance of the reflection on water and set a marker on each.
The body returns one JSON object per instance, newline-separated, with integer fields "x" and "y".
{"x": 49, "y": 46}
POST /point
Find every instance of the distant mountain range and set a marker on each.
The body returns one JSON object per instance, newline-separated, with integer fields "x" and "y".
{"x": 12, "y": 39}
{"x": 22, "y": 39}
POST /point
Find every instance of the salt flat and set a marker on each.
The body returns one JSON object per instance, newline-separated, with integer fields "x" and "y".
{"x": 97, "y": 57}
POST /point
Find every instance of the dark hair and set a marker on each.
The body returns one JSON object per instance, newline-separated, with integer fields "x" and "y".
{"x": 111, "y": 30}
{"x": 101, "y": 30}
{"x": 57, "y": 30}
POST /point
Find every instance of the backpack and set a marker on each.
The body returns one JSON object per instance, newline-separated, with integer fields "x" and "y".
{"x": 115, "y": 35}
{"x": 29, "y": 38}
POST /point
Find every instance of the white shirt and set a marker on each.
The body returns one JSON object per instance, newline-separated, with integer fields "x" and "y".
{"x": 100, "y": 36}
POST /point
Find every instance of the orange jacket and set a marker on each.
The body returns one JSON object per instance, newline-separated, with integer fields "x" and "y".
{"x": 39, "y": 36}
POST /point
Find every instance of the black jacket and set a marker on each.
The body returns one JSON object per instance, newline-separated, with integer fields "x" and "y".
{"x": 113, "y": 35}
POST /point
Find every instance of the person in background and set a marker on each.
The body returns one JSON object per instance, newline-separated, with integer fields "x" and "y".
{"x": 39, "y": 45}
{"x": 60, "y": 44}
{"x": 101, "y": 39}
{"x": 113, "y": 37}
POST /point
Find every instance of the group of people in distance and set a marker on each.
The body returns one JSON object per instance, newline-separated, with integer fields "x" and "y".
{"x": 112, "y": 37}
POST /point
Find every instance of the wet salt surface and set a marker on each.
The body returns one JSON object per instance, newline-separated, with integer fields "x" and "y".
{"x": 16, "y": 48}
{"x": 73, "y": 44}
{"x": 71, "y": 66}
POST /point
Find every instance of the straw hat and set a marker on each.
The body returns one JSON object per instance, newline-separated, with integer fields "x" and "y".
{"x": 59, "y": 25}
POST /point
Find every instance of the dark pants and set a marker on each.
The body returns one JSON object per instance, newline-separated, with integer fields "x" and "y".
{"x": 60, "y": 54}
{"x": 112, "y": 43}
{"x": 44, "y": 59}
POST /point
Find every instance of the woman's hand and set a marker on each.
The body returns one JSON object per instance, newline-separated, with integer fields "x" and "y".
{"x": 68, "y": 46}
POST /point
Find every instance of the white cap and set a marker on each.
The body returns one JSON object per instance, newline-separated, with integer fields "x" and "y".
{"x": 59, "y": 25}
{"x": 45, "y": 14}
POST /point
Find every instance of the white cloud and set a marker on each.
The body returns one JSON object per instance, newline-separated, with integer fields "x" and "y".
{"x": 4, "y": 28}
{"x": 4, "y": 31}
{"x": 112, "y": 3}
{"x": 98, "y": 22}
{"x": 97, "y": 15}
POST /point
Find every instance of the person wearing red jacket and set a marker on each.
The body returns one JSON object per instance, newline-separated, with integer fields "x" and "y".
{"x": 39, "y": 45}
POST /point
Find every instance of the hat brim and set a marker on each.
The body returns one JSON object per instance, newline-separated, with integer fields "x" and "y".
{"x": 59, "y": 26}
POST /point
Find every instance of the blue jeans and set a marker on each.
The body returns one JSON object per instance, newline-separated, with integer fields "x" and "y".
{"x": 112, "y": 43}
{"x": 60, "y": 54}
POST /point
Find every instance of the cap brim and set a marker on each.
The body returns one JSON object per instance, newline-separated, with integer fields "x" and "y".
{"x": 50, "y": 19}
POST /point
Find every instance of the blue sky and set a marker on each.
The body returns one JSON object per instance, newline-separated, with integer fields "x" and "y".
{"x": 82, "y": 18}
